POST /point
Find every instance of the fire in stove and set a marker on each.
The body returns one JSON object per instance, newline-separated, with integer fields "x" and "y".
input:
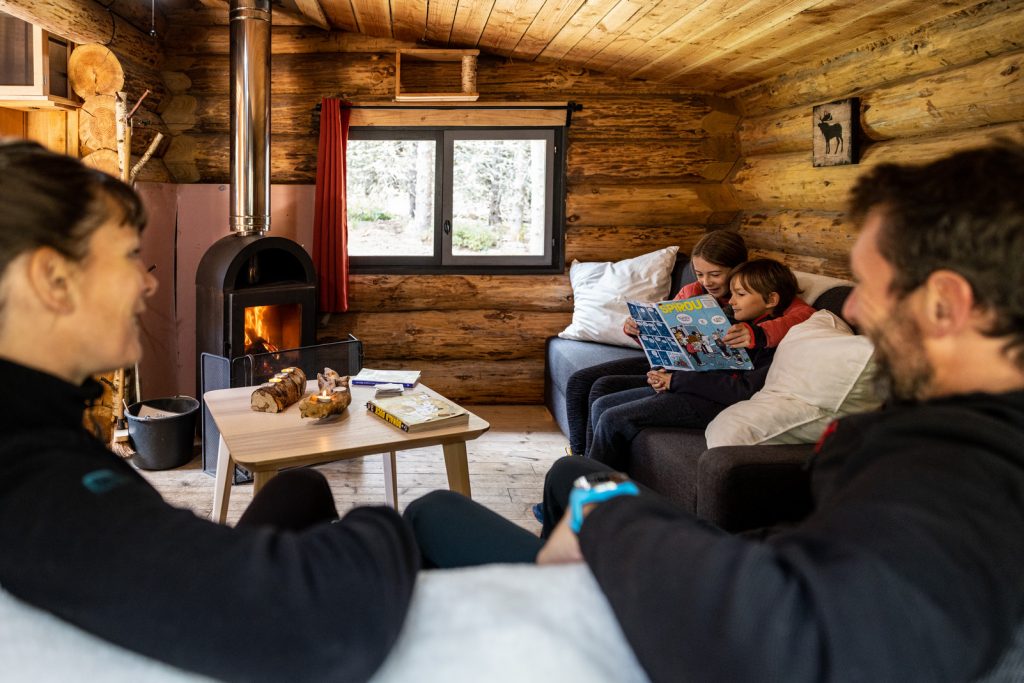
{"x": 269, "y": 329}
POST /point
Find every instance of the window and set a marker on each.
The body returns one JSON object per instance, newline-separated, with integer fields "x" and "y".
{"x": 466, "y": 200}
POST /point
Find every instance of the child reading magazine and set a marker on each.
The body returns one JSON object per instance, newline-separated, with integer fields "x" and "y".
{"x": 760, "y": 290}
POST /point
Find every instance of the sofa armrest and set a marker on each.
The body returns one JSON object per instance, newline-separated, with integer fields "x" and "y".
{"x": 748, "y": 487}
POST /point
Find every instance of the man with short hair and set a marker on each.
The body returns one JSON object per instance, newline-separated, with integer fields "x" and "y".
{"x": 911, "y": 567}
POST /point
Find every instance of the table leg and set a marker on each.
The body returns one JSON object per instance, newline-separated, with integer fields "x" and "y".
{"x": 260, "y": 479}
{"x": 457, "y": 465}
{"x": 391, "y": 480}
{"x": 222, "y": 485}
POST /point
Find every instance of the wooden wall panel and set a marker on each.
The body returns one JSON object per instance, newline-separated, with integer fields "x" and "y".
{"x": 990, "y": 28}
{"x": 12, "y": 123}
{"x": 485, "y": 334}
{"x": 953, "y": 84}
{"x": 371, "y": 293}
{"x": 987, "y": 92}
{"x": 612, "y": 243}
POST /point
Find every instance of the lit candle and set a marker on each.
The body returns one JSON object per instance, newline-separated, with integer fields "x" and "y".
{"x": 324, "y": 397}
{"x": 274, "y": 380}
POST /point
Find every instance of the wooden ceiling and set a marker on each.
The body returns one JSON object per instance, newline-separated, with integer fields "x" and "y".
{"x": 715, "y": 45}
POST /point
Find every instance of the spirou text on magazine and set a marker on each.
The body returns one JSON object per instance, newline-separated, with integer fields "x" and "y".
{"x": 687, "y": 334}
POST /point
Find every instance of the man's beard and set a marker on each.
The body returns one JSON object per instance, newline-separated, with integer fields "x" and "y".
{"x": 903, "y": 371}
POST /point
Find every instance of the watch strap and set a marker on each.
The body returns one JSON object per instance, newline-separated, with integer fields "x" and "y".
{"x": 579, "y": 498}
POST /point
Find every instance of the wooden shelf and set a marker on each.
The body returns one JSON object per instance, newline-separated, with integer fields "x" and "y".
{"x": 465, "y": 58}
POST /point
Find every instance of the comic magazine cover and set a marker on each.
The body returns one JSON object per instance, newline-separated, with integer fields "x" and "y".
{"x": 686, "y": 334}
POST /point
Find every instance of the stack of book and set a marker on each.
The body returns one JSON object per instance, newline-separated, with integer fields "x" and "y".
{"x": 370, "y": 377}
{"x": 417, "y": 411}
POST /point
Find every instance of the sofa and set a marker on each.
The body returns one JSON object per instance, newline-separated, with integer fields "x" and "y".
{"x": 735, "y": 487}
{"x": 496, "y": 623}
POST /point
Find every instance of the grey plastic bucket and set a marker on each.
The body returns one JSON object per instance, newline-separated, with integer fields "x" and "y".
{"x": 163, "y": 442}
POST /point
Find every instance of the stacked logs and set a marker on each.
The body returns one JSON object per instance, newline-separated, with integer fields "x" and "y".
{"x": 96, "y": 76}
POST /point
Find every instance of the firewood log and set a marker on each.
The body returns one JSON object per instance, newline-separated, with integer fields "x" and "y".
{"x": 94, "y": 70}
{"x": 279, "y": 392}
{"x": 97, "y": 123}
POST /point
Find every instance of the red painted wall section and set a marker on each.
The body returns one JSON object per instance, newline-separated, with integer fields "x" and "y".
{"x": 201, "y": 215}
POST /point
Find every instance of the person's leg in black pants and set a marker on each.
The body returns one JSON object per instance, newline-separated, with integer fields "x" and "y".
{"x": 293, "y": 500}
{"x": 454, "y": 531}
{"x": 605, "y": 386}
{"x": 577, "y": 394}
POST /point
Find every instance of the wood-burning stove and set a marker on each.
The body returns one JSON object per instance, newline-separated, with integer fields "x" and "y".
{"x": 270, "y": 281}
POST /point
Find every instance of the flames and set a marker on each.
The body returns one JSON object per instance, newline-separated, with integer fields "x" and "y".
{"x": 258, "y": 334}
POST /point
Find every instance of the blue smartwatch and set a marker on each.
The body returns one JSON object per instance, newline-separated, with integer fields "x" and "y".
{"x": 596, "y": 487}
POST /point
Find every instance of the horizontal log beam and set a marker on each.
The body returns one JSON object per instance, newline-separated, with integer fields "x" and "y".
{"x": 623, "y": 204}
{"x": 789, "y": 181}
{"x": 372, "y": 293}
{"x": 988, "y": 29}
{"x": 805, "y": 263}
{"x": 207, "y": 39}
{"x": 669, "y": 160}
{"x": 689, "y": 116}
{"x": 826, "y": 234}
{"x": 86, "y": 21}
{"x": 980, "y": 94}
{"x": 614, "y": 243}
{"x": 495, "y": 334}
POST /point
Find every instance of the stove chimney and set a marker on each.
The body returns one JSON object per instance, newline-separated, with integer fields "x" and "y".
{"x": 250, "y": 116}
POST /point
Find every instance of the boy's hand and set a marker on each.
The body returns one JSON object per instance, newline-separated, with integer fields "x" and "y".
{"x": 562, "y": 547}
{"x": 660, "y": 380}
{"x": 738, "y": 336}
{"x": 630, "y": 328}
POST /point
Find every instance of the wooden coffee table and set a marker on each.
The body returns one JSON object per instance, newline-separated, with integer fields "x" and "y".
{"x": 265, "y": 443}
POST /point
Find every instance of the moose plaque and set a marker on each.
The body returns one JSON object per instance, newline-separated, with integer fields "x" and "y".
{"x": 835, "y": 133}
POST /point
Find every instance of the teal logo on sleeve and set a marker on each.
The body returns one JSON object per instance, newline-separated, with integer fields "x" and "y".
{"x": 103, "y": 481}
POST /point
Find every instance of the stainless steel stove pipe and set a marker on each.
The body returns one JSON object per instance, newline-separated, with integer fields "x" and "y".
{"x": 250, "y": 116}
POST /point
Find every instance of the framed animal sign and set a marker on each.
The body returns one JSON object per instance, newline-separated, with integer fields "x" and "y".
{"x": 835, "y": 132}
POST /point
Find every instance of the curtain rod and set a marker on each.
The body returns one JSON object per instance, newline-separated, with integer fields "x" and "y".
{"x": 569, "y": 107}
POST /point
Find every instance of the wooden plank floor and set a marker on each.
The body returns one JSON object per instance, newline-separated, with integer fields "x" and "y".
{"x": 506, "y": 470}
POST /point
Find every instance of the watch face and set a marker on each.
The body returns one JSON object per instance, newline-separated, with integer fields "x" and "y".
{"x": 600, "y": 481}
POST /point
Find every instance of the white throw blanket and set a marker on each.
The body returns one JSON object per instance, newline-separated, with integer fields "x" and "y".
{"x": 496, "y": 623}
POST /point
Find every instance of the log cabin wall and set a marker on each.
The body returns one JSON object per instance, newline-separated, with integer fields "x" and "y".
{"x": 643, "y": 160}
{"x": 952, "y": 84}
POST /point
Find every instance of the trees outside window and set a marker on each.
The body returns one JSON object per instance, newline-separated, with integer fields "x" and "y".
{"x": 465, "y": 200}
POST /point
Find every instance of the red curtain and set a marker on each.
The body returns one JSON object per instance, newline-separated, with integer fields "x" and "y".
{"x": 330, "y": 217}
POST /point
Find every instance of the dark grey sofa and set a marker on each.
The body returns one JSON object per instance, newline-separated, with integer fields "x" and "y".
{"x": 735, "y": 487}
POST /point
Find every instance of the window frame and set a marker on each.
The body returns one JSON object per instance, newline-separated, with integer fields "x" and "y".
{"x": 442, "y": 261}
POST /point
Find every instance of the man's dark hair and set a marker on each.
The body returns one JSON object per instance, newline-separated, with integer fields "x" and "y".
{"x": 722, "y": 248}
{"x": 764, "y": 276}
{"x": 963, "y": 213}
{"x": 52, "y": 200}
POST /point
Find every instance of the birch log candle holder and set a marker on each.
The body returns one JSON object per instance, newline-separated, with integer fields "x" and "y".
{"x": 332, "y": 398}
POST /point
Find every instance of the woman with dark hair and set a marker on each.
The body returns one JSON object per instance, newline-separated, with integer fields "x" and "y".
{"x": 285, "y": 595}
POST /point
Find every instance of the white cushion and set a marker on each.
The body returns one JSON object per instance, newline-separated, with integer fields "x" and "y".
{"x": 813, "y": 285}
{"x": 821, "y": 371}
{"x": 600, "y": 291}
{"x": 498, "y": 623}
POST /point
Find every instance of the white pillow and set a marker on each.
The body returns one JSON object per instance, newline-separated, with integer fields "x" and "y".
{"x": 813, "y": 285}
{"x": 600, "y": 291}
{"x": 821, "y": 371}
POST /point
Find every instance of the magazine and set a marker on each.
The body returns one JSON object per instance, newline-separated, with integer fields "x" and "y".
{"x": 367, "y": 376}
{"x": 686, "y": 334}
{"x": 417, "y": 411}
